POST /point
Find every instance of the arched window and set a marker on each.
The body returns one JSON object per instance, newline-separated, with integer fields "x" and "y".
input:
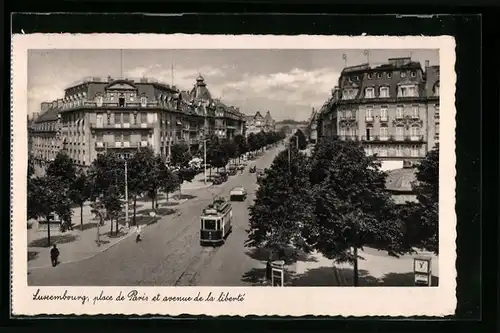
{"x": 436, "y": 89}
{"x": 144, "y": 101}
{"x": 384, "y": 92}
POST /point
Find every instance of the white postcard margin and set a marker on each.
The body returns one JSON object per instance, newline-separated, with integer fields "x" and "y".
{"x": 292, "y": 301}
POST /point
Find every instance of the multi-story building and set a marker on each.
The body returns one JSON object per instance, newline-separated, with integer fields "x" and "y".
{"x": 392, "y": 108}
{"x": 258, "y": 123}
{"x": 312, "y": 126}
{"x": 123, "y": 115}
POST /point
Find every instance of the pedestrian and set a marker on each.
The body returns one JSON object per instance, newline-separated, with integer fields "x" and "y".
{"x": 54, "y": 255}
{"x": 138, "y": 234}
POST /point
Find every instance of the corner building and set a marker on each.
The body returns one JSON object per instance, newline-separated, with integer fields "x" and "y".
{"x": 392, "y": 108}
{"x": 123, "y": 115}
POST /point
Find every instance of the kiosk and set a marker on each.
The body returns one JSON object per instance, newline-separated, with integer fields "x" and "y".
{"x": 423, "y": 271}
{"x": 277, "y": 273}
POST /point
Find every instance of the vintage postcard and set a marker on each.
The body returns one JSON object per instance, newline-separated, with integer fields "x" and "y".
{"x": 233, "y": 175}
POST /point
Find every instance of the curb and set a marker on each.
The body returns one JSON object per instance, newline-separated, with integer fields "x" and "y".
{"x": 130, "y": 232}
{"x": 153, "y": 220}
{"x": 197, "y": 188}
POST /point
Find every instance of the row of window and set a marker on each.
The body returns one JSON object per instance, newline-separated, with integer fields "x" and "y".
{"x": 400, "y": 132}
{"x": 403, "y": 91}
{"x": 381, "y": 75}
{"x": 394, "y": 151}
{"x": 400, "y": 112}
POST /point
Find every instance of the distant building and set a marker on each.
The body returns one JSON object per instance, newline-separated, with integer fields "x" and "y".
{"x": 312, "y": 126}
{"x": 98, "y": 114}
{"x": 392, "y": 108}
{"x": 399, "y": 183}
{"x": 258, "y": 123}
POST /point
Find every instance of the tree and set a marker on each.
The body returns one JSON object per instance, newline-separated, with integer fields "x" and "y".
{"x": 137, "y": 176}
{"x": 48, "y": 195}
{"x": 155, "y": 179}
{"x": 108, "y": 179}
{"x": 261, "y": 140}
{"x": 302, "y": 141}
{"x": 241, "y": 144}
{"x": 31, "y": 166}
{"x": 252, "y": 142}
{"x": 80, "y": 192}
{"x": 216, "y": 154}
{"x": 420, "y": 220}
{"x": 230, "y": 149}
{"x": 170, "y": 181}
{"x": 62, "y": 168}
{"x": 283, "y": 206}
{"x": 180, "y": 155}
{"x": 352, "y": 207}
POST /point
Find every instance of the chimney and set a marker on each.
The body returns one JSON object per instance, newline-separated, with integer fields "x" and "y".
{"x": 427, "y": 63}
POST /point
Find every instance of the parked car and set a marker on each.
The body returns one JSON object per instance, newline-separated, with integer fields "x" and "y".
{"x": 252, "y": 169}
{"x": 238, "y": 193}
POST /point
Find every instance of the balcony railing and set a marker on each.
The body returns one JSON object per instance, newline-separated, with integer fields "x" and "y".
{"x": 348, "y": 137}
{"x": 384, "y": 119}
{"x": 122, "y": 125}
{"x": 121, "y": 144}
{"x": 369, "y": 119}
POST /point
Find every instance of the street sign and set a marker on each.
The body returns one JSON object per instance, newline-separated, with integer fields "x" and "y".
{"x": 422, "y": 270}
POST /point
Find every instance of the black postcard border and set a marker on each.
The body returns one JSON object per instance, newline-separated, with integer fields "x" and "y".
{"x": 475, "y": 121}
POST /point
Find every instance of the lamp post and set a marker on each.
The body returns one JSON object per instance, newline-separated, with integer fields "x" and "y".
{"x": 126, "y": 195}
{"x": 205, "y": 161}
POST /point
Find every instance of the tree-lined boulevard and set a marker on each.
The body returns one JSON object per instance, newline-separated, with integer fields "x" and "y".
{"x": 332, "y": 201}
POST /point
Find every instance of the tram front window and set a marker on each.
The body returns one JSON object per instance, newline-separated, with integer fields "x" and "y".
{"x": 209, "y": 225}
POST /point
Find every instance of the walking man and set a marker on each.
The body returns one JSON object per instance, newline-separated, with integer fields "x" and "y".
{"x": 54, "y": 255}
{"x": 138, "y": 234}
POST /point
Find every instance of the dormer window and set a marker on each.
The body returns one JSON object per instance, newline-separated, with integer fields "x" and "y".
{"x": 121, "y": 102}
{"x": 370, "y": 76}
{"x": 436, "y": 89}
{"x": 99, "y": 101}
{"x": 403, "y": 74}
{"x": 384, "y": 92}
{"x": 413, "y": 74}
{"x": 407, "y": 91}
{"x": 349, "y": 94}
{"x": 379, "y": 75}
{"x": 144, "y": 101}
{"x": 370, "y": 92}
{"x": 389, "y": 75}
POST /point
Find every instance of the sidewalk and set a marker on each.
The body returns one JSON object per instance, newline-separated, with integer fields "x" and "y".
{"x": 77, "y": 244}
{"x": 198, "y": 182}
{"x": 378, "y": 269}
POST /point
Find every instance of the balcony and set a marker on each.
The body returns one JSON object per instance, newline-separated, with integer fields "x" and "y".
{"x": 99, "y": 144}
{"x": 122, "y": 126}
{"x": 144, "y": 143}
{"x": 370, "y": 138}
{"x": 415, "y": 116}
{"x": 384, "y": 119}
{"x": 369, "y": 119}
{"x": 348, "y": 137}
{"x": 416, "y": 138}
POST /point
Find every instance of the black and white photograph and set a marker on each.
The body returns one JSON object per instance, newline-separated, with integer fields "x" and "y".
{"x": 241, "y": 170}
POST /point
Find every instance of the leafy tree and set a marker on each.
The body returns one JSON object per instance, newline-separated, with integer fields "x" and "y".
{"x": 230, "y": 148}
{"x": 31, "y": 166}
{"x": 80, "y": 192}
{"x": 170, "y": 181}
{"x": 241, "y": 144}
{"x": 252, "y": 142}
{"x": 113, "y": 203}
{"x": 283, "y": 206}
{"x": 62, "y": 168}
{"x": 108, "y": 178}
{"x": 48, "y": 195}
{"x": 180, "y": 155}
{"x": 185, "y": 174}
{"x": 155, "y": 179}
{"x": 420, "y": 221}
{"x": 137, "y": 176}
{"x": 261, "y": 140}
{"x": 302, "y": 141}
{"x": 352, "y": 207}
{"x": 216, "y": 154}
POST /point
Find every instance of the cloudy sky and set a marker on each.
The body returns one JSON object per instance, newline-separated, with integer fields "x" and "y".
{"x": 289, "y": 83}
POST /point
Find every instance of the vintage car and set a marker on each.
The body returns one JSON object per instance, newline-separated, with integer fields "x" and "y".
{"x": 252, "y": 169}
{"x": 233, "y": 170}
{"x": 261, "y": 173}
{"x": 220, "y": 178}
{"x": 238, "y": 193}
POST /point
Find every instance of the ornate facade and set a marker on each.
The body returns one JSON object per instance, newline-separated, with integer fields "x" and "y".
{"x": 258, "y": 123}
{"x": 393, "y": 109}
{"x": 122, "y": 114}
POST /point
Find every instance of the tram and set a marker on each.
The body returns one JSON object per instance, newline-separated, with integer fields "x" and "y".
{"x": 216, "y": 221}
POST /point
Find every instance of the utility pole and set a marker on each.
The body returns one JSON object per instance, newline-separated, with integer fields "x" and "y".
{"x": 205, "y": 160}
{"x": 126, "y": 195}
